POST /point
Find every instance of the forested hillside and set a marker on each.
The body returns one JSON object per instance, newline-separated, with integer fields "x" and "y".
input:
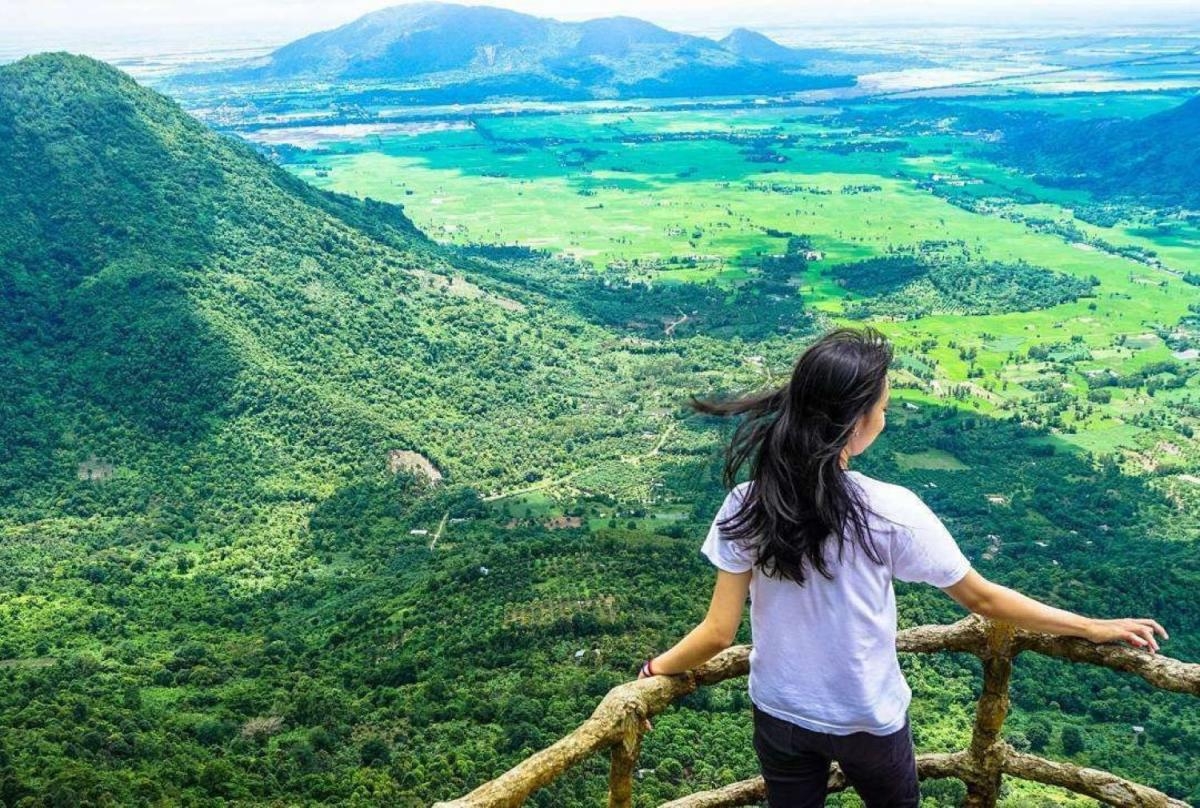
{"x": 1144, "y": 160}
{"x": 226, "y": 578}
{"x": 1149, "y": 159}
{"x": 173, "y": 295}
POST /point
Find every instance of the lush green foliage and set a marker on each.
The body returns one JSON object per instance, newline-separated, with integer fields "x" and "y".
{"x": 213, "y": 588}
{"x": 919, "y": 285}
{"x": 1144, "y": 159}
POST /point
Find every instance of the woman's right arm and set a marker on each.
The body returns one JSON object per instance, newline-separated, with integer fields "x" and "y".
{"x": 979, "y": 595}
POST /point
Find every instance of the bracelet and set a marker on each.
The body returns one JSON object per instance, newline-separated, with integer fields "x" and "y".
{"x": 646, "y": 669}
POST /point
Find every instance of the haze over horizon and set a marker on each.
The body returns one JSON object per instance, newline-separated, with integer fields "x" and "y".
{"x": 124, "y": 27}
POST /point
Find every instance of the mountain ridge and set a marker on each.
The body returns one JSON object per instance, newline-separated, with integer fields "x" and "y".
{"x": 508, "y": 53}
{"x": 1150, "y": 158}
{"x": 759, "y": 47}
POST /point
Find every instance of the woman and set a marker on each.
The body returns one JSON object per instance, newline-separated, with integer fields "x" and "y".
{"x": 816, "y": 547}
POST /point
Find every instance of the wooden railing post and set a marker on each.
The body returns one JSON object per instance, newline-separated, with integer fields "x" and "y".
{"x": 987, "y": 749}
{"x": 624, "y": 759}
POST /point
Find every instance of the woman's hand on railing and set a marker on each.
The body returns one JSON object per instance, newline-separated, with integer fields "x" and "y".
{"x": 1136, "y": 631}
{"x": 996, "y": 602}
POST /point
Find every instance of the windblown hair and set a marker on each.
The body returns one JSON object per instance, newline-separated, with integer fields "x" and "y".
{"x": 792, "y": 438}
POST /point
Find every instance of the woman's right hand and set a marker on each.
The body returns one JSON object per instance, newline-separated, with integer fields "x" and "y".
{"x": 1138, "y": 632}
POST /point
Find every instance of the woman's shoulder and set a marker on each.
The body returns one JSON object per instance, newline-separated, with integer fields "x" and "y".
{"x": 888, "y": 499}
{"x": 875, "y": 486}
{"x": 735, "y": 498}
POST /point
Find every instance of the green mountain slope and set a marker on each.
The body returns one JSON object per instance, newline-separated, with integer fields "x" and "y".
{"x": 168, "y": 291}
{"x": 1151, "y": 158}
{"x": 1146, "y": 160}
{"x": 209, "y": 368}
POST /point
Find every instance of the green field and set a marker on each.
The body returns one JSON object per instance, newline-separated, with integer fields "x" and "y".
{"x": 686, "y": 197}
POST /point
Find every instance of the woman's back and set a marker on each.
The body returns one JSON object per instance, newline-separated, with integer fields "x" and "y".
{"x": 824, "y": 677}
{"x": 824, "y": 653}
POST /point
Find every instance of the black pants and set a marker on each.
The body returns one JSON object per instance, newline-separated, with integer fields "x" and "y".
{"x": 795, "y": 764}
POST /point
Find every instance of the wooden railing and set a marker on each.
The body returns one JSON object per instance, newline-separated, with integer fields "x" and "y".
{"x": 617, "y": 725}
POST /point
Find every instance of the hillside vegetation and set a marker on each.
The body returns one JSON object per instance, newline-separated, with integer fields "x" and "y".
{"x": 220, "y": 583}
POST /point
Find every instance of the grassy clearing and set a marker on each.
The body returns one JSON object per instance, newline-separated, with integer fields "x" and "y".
{"x": 931, "y": 459}
{"x": 30, "y": 663}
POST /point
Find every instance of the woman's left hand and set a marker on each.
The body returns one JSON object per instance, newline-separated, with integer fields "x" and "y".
{"x": 646, "y": 725}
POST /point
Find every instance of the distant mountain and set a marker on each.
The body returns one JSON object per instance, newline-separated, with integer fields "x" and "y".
{"x": 472, "y": 52}
{"x": 411, "y": 40}
{"x": 1152, "y": 158}
{"x": 757, "y": 47}
{"x": 615, "y": 37}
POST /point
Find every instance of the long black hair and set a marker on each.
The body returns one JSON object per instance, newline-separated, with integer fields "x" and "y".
{"x": 793, "y": 438}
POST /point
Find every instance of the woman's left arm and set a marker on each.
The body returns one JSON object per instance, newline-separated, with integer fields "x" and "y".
{"x": 715, "y": 633}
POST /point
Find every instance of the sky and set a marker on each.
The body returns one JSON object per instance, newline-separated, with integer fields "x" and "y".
{"x": 49, "y": 24}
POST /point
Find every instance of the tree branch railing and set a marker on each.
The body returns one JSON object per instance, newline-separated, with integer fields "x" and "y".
{"x": 617, "y": 724}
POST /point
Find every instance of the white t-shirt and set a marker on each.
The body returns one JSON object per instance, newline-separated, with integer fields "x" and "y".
{"x": 824, "y": 654}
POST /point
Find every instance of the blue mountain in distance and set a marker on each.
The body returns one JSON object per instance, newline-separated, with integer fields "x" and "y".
{"x": 1151, "y": 158}
{"x": 470, "y": 53}
{"x": 412, "y": 40}
{"x": 756, "y": 47}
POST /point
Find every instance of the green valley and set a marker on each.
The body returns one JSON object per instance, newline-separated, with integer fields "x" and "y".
{"x": 351, "y": 463}
{"x": 681, "y": 202}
